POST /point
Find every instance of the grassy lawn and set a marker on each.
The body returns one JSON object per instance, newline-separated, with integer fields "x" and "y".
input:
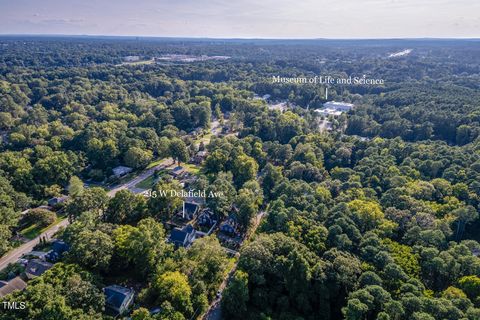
{"x": 146, "y": 183}
{"x": 192, "y": 168}
{"x": 155, "y": 163}
{"x": 34, "y": 230}
{"x": 205, "y": 138}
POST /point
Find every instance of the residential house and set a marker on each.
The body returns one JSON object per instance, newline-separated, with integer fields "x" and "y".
{"x": 120, "y": 171}
{"x": 207, "y": 218}
{"x": 230, "y": 225}
{"x": 183, "y": 237}
{"x": 36, "y": 268}
{"x": 189, "y": 181}
{"x": 190, "y": 210}
{"x": 179, "y": 172}
{"x": 200, "y": 157}
{"x": 59, "y": 247}
{"x": 118, "y": 299}
{"x": 52, "y": 202}
{"x": 36, "y": 255}
{"x": 13, "y": 285}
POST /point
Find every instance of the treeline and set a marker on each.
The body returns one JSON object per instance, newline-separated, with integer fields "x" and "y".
{"x": 422, "y": 111}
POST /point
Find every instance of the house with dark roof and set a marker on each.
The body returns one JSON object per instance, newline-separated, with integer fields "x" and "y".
{"x": 207, "y": 218}
{"x": 13, "y": 285}
{"x": 52, "y": 202}
{"x": 190, "y": 210}
{"x": 183, "y": 237}
{"x": 118, "y": 299}
{"x": 59, "y": 247}
{"x": 178, "y": 172}
{"x": 230, "y": 225}
{"x": 36, "y": 268}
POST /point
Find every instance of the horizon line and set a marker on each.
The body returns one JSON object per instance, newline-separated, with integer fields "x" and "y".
{"x": 226, "y": 38}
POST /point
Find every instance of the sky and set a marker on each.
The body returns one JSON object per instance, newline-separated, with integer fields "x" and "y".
{"x": 245, "y": 18}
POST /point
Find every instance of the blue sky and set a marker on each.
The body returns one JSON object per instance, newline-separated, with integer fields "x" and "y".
{"x": 244, "y": 18}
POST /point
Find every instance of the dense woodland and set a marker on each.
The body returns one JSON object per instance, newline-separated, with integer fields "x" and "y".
{"x": 376, "y": 220}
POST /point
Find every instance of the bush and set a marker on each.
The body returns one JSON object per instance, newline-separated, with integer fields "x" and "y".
{"x": 11, "y": 271}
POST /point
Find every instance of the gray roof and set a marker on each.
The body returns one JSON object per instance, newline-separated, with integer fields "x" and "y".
{"x": 121, "y": 170}
{"x": 190, "y": 208}
{"x": 116, "y": 295}
{"x": 37, "y": 267}
{"x": 12, "y": 285}
{"x": 181, "y": 236}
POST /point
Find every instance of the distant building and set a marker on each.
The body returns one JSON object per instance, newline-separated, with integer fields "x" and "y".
{"x": 340, "y": 106}
{"x": 325, "y": 125}
{"x": 120, "y": 171}
{"x": 13, "y": 285}
{"x": 118, "y": 299}
{"x": 36, "y": 268}
{"x": 281, "y": 106}
{"x": 131, "y": 58}
{"x": 183, "y": 237}
{"x": 187, "y": 58}
{"x": 334, "y": 108}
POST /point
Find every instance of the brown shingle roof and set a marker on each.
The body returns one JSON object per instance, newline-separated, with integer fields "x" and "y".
{"x": 12, "y": 285}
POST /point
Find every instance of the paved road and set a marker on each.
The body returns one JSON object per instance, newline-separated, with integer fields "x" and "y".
{"x": 130, "y": 185}
{"x": 17, "y": 253}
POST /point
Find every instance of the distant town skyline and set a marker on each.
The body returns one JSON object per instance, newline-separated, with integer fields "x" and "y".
{"x": 245, "y": 18}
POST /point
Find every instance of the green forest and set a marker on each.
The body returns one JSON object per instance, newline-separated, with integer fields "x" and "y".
{"x": 376, "y": 219}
